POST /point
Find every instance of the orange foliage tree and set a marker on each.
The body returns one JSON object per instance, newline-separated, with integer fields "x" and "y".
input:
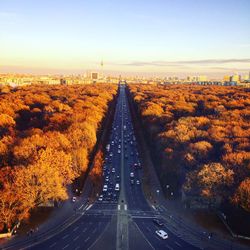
{"x": 200, "y": 136}
{"x": 47, "y": 134}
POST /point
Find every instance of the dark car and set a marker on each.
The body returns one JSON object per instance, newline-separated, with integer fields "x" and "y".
{"x": 158, "y": 222}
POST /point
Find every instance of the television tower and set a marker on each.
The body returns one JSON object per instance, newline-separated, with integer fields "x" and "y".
{"x": 102, "y": 69}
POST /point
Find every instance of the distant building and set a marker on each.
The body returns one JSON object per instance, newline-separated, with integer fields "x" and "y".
{"x": 94, "y": 75}
{"x": 63, "y": 82}
{"x": 226, "y": 78}
{"x": 235, "y": 78}
{"x": 202, "y": 78}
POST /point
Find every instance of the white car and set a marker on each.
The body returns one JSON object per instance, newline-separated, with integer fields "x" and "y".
{"x": 100, "y": 198}
{"x": 105, "y": 188}
{"x": 162, "y": 234}
{"x": 138, "y": 182}
{"x": 73, "y": 199}
{"x": 117, "y": 187}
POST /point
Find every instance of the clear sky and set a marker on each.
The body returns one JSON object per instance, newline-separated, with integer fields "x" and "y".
{"x": 164, "y": 37}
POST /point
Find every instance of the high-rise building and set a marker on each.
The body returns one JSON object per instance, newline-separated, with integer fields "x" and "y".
{"x": 235, "y": 78}
{"x": 94, "y": 75}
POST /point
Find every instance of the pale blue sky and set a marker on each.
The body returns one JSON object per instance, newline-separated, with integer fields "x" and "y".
{"x": 154, "y": 36}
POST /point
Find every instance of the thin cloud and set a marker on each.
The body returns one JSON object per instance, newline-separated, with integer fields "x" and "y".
{"x": 186, "y": 63}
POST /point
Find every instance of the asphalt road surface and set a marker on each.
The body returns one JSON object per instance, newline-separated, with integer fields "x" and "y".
{"x": 122, "y": 196}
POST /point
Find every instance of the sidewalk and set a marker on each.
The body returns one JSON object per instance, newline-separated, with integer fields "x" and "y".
{"x": 173, "y": 211}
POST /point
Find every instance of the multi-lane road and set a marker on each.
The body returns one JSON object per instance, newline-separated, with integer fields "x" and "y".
{"x": 121, "y": 207}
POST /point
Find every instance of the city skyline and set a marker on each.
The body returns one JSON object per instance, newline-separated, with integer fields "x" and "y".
{"x": 130, "y": 37}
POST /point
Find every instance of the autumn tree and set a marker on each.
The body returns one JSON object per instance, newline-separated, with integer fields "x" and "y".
{"x": 242, "y": 195}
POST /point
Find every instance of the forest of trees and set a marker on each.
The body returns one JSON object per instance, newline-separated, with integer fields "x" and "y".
{"x": 201, "y": 134}
{"x": 47, "y": 134}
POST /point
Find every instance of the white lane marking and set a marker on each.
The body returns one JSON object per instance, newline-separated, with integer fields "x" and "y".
{"x": 65, "y": 236}
{"x": 169, "y": 247}
{"x": 86, "y": 239}
{"x": 76, "y": 238}
{"x": 81, "y": 206}
{"x": 157, "y": 237}
{"x": 178, "y": 244}
{"x": 153, "y": 207}
{"x": 119, "y": 207}
{"x": 89, "y": 207}
{"x": 75, "y": 228}
{"x": 84, "y": 230}
{"x": 52, "y": 245}
{"x": 65, "y": 246}
{"x": 125, "y": 207}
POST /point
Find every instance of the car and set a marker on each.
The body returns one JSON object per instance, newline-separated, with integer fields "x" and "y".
{"x": 119, "y": 151}
{"x": 107, "y": 178}
{"x": 111, "y": 154}
{"x": 117, "y": 187}
{"x": 105, "y": 188}
{"x": 132, "y": 182}
{"x": 118, "y": 177}
{"x": 100, "y": 197}
{"x": 158, "y": 223}
{"x": 138, "y": 182}
{"x": 119, "y": 146}
{"x": 132, "y": 175}
{"x": 113, "y": 170}
{"x": 73, "y": 199}
{"x": 162, "y": 234}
